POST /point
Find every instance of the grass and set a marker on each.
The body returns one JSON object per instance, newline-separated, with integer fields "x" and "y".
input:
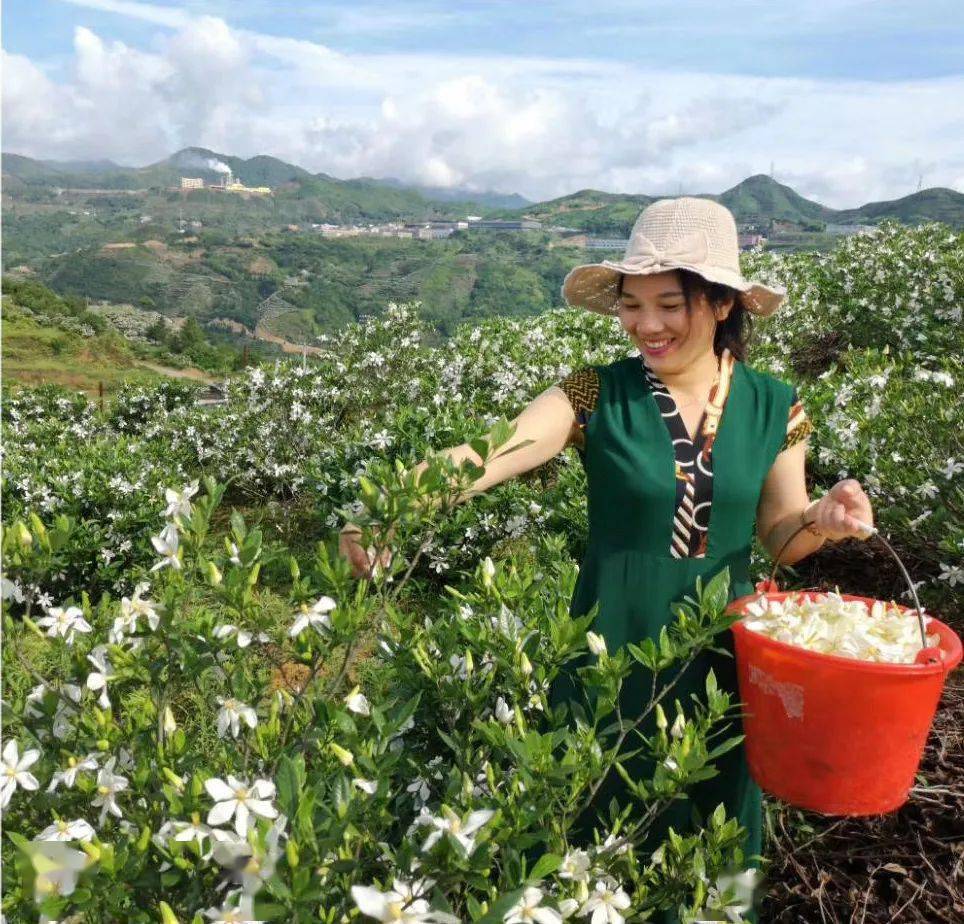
{"x": 34, "y": 354}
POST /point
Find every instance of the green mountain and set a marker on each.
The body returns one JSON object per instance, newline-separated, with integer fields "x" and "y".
{"x": 761, "y": 197}
{"x": 757, "y": 199}
{"x": 325, "y": 198}
{"x": 320, "y": 197}
{"x": 936, "y": 204}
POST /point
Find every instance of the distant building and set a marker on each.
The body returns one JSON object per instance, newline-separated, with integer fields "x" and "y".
{"x": 847, "y": 229}
{"x": 190, "y": 182}
{"x": 573, "y": 240}
{"x": 607, "y": 243}
{"x": 498, "y": 224}
{"x": 749, "y": 240}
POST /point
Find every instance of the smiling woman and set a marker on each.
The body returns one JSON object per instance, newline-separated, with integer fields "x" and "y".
{"x": 686, "y": 450}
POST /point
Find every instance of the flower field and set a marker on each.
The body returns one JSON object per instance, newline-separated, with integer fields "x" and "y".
{"x": 207, "y": 718}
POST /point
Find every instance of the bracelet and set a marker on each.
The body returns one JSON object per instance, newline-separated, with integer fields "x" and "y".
{"x": 810, "y": 526}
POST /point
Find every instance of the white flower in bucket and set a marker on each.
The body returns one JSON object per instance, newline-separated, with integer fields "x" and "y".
{"x": 828, "y": 624}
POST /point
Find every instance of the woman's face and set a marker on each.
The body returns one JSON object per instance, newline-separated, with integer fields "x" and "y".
{"x": 652, "y": 310}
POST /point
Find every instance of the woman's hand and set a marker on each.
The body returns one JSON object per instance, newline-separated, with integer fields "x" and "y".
{"x": 837, "y": 513}
{"x": 362, "y": 560}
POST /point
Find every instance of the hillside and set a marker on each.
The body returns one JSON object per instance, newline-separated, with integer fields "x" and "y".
{"x": 756, "y": 200}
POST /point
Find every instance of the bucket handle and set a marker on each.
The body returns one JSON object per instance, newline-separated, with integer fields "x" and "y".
{"x": 927, "y": 655}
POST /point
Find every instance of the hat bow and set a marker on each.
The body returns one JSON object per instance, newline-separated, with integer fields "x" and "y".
{"x": 690, "y": 249}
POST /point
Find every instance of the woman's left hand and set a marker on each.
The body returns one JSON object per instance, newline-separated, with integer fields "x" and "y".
{"x": 837, "y": 513}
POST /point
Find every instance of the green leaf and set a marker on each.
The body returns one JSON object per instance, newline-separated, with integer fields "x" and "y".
{"x": 501, "y": 907}
{"x": 547, "y": 863}
{"x": 724, "y": 747}
{"x": 290, "y": 779}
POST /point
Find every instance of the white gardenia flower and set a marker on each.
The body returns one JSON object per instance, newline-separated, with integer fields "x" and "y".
{"x": 192, "y": 830}
{"x": 97, "y": 680}
{"x": 951, "y": 468}
{"x": 69, "y": 776}
{"x": 179, "y": 502}
{"x": 679, "y": 726}
{"x": 597, "y": 644}
{"x": 11, "y": 590}
{"x": 605, "y": 904}
{"x": 828, "y": 624}
{"x": 36, "y": 695}
{"x": 242, "y": 636}
{"x": 459, "y": 829}
{"x": 953, "y": 574}
{"x": 167, "y": 545}
{"x": 64, "y": 623}
{"x": 575, "y": 866}
{"x": 502, "y": 711}
{"x": 234, "y": 798}
{"x": 568, "y": 907}
{"x": 234, "y": 912}
{"x": 15, "y": 772}
{"x": 528, "y": 908}
{"x": 402, "y": 903}
{"x": 367, "y": 786}
{"x": 358, "y": 703}
{"x": 108, "y": 785}
{"x": 76, "y": 830}
{"x": 231, "y": 714}
{"x": 315, "y": 616}
{"x": 57, "y": 867}
{"x": 132, "y": 608}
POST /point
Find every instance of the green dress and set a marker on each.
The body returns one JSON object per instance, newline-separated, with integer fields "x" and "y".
{"x": 630, "y": 568}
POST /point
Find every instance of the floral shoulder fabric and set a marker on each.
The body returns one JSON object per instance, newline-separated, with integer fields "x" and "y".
{"x": 799, "y": 426}
{"x": 582, "y": 390}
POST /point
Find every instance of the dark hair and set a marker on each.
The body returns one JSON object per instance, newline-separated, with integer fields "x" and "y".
{"x": 735, "y": 331}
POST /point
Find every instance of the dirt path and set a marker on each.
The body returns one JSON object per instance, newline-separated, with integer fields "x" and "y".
{"x": 195, "y": 375}
{"x": 259, "y": 333}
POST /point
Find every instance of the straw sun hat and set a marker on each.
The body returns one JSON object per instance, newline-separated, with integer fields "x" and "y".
{"x": 684, "y": 233}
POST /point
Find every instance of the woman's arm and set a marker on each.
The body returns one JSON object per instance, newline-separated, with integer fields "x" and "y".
{"x": 782, "y": 500}
{"x": 547, "y": 423}
{"x": 784, "y": 505}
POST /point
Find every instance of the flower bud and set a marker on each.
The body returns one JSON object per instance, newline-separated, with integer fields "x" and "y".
{"x": 524, "y": 664}
{"x": 661, "y": 718}
{"x": 488, "y": 571}
{"x": 167, "y": 915}
{"x": 170, "y": 726}
{"x": 597, "y": 644}
{"x": 679, "y": 726}
{"x": 22, "y": 535}
{"x": 343, "y": 754}
{"x": 291, "y": 852}
{"x": 212, "y": 574}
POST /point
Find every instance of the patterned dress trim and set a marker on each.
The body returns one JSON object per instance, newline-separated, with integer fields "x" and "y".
{"x": 694, "y": 458}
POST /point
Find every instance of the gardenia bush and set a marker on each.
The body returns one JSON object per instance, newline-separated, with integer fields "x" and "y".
{"x": 205, "y": 723}
{"x": 868, "y": 335}
{"x": 217, "y": 747}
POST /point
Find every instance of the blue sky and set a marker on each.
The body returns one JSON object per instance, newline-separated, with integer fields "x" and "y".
{"x": 849, "y": 101}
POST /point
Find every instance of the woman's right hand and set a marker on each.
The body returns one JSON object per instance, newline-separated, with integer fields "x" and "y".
{"x": 361, "y": 561}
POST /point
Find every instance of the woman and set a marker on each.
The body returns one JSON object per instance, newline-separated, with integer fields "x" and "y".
{"x": 685, "y": 449}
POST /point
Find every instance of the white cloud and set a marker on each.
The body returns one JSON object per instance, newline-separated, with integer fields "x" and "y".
{"x": 541, "y": 126}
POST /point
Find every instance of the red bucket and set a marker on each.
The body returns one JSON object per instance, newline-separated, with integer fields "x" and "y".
{"x": 834, "y": 734}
